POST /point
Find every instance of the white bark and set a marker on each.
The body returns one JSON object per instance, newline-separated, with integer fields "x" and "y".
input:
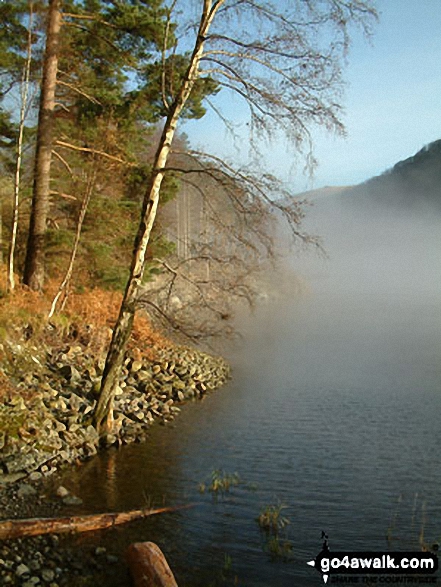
{"x": 19, "y": 150}
{"x": 123, "y": 327}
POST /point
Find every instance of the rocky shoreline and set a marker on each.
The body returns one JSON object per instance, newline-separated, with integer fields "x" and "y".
{"x": 47, "y": 423}
{"x": 54, "y": 424}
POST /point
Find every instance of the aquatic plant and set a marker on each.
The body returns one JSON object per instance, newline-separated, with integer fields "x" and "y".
{"x": 279, "y": 548}
{"x": 271, "y": 518}
{"x": 220, "y": 482}
{"x": 272, "y": 521}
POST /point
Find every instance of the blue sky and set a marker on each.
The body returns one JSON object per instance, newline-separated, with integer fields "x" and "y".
{"x": 392, "y": 102}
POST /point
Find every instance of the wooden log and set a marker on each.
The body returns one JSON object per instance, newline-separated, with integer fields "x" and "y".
{"x": 148, "y": 566}
{"x": 37, "y": 526}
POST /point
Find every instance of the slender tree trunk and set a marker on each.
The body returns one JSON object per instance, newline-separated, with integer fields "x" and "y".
{"x": 34, "y": 263}
{"x": 64, "y": 285}
{"x": 1, "y": 233}
{"x": 23, "y": 110}
{"x": 123, "y": 327}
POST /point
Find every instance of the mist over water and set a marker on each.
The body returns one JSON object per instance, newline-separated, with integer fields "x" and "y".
{"x": 334, "y": 409}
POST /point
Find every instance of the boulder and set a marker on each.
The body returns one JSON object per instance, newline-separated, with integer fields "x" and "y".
{"x": 148, "y": 566}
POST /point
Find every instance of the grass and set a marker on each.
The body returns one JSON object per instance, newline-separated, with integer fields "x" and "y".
{"x": 220, "y": 482}
{"x": 273, "y": 522}
{"x": 279, "y": 548}
{"x": 271, "y": 519}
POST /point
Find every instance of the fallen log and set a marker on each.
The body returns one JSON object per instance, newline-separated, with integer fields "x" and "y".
{"x": 148, "y": 566}
{"x": 87, "y": 523}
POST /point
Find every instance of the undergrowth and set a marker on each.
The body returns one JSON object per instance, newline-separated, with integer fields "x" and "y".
{"x": 87, "y": 319}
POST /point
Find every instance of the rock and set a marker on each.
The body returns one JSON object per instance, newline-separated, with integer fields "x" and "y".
{"x": 108, "y": 440}
{"x": 34, "y": 565}
{"x": 136, "y": 366}
{"x": 62, "y": 492}
{"x": 70, "y": 373}
{"x": 12, "y": 477}
{"x": 72, "y": 500}
{"x": 35, "y": 476}
{"x": 25, "y": 490}
{"x": 100, "y": 550}
{"x": 148, "y": 566}
{"x": 48, "y": 575}
{"x": 144, "y": 375}
{"x": 22, "y": 570}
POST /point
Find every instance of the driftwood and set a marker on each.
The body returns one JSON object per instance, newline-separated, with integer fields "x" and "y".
{"x": 37, "y": 526}
{"x": 148, "y": 566}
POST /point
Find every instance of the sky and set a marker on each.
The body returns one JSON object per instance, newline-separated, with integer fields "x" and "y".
{"x": 392, "y": 103}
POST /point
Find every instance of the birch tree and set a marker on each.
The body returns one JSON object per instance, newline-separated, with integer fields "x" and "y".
{"x": 24, "y": 95}
{"x": 284, "y": 60}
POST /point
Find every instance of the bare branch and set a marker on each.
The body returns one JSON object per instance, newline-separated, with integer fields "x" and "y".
{"x": 79, "y": 91}
{"x": 63, "y": 161}
{"x": 94, "y": 152}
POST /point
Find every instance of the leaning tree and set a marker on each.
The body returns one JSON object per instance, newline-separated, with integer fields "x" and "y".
{"x": 284, "y": 60}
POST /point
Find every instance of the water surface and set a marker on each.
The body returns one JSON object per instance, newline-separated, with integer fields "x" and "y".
{"x": 334, "y": 410}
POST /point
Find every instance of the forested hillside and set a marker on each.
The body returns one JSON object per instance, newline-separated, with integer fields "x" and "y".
{"x": 413, "y": 182}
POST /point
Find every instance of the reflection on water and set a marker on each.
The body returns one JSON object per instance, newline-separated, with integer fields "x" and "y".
{"x": 333, "y": 410}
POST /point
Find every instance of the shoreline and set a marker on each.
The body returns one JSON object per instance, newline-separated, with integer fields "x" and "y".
{"x": 45, "y": 427}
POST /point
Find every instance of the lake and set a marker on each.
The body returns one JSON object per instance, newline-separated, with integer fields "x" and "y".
{"x": 333, "y": 412}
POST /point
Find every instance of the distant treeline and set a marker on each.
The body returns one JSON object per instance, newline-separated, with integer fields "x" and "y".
{"x": 412, "y": 182}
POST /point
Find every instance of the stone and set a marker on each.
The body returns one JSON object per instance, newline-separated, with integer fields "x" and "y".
{"x": 35, "y": 476}
{"x": 12, "y": 477}
{"x": 72, "y": 500}
{"x": 62, "y": 492}
{"x": 34, "y": 565}
{"x": 70, "y": 373}
{"x": 25, "y": 490}
{"x": 22, "y": 570}
{"x": 136, "y": 366}
{"x": 108, "y": 440}
{"x": 148, "y": 565}
{"x": 48, "y": 575}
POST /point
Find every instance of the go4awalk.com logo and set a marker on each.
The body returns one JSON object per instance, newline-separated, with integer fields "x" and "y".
{"x": 404, "y": 564}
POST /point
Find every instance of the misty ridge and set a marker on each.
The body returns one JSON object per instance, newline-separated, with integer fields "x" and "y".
{"x": 414, "y": 183}
{"x": 381, "y": 237}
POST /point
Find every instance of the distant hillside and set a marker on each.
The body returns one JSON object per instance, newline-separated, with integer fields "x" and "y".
{"x": 413, "y": 182}
{"x": 324, "y": 192}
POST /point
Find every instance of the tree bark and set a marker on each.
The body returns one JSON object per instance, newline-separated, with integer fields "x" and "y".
{"x": 35, "y": 263}
{"x": 19, "y": 152}
{"x": 121, "y": 333}
{"x": 64, "y": 285}
{"x": 10, "y": 529}
{"x": 148, "y": 566}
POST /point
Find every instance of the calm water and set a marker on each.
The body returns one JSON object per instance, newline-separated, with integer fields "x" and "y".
{"x": 334, "y": 410}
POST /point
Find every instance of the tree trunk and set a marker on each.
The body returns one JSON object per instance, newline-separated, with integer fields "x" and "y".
{"x": 19, "y": 152}
{"x": 123, "y": 327}
{"x": 64, "y": 285}
{"x": 10, "y": 529}
{"x": 34, "y": 263}
{"x": 148, "y": 566}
